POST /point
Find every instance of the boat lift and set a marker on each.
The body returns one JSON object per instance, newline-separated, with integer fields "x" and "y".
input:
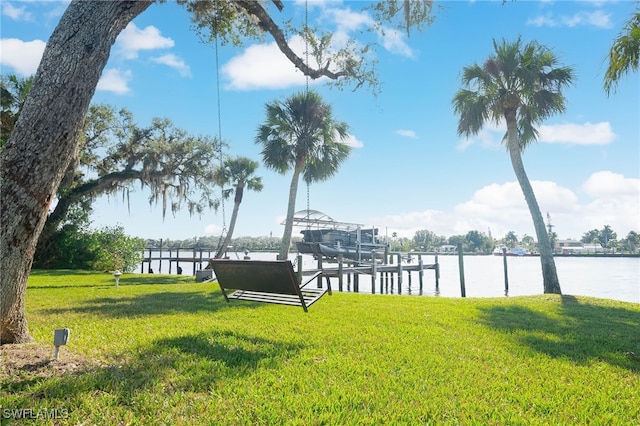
{"x": 314, "y": 220}
{"x": 318, "y": 220}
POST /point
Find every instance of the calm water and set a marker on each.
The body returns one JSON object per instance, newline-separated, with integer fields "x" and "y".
{"x": 610, "y": 278}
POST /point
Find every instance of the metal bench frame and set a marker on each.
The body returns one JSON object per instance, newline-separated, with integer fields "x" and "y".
{"x": 267, "y": 281}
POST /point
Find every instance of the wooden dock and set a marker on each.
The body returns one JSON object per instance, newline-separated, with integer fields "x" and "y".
{"x": 387, "y": 275}
{"x": 197, "y": 258}
{"x": 388, "y": 272}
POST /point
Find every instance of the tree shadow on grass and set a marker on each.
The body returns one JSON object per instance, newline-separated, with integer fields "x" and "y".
{"x": 581, "y": 331}
{"x": 152, "y": 304}
{"x": 152, "y": 279}
{"x": 60, "y": 272}
{"x": 106, "y": 280}
{"x": 186, "y": 363}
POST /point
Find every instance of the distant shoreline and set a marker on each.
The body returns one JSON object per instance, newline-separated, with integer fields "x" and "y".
{"x": 537, "y": 255}
{"x": 599, "y": 255}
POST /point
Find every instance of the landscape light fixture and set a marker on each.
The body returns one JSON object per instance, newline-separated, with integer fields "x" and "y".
{"x": 116, "y": 275}
{"x": 60, "y": 337}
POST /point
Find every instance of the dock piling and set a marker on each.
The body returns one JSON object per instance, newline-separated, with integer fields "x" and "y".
{"x": 506, "y": 274}
{"x": 399, "y": 273}
{"x": 463, "y": 291}
{"x": 437, "y": 275}
{"x": 420, "y": 271}
{"x": 340, "y": 272}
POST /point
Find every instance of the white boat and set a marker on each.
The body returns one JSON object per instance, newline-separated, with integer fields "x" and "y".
{"x": 515, "y": 251}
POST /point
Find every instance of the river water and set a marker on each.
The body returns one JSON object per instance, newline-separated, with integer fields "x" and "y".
{"x": 615, "y": 278}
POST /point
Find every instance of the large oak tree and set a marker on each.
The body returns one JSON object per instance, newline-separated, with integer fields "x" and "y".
{"x": 45, "y": 137}
{"x": 116, "y": 156}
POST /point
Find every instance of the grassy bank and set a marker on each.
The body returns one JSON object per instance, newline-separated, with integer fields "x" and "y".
{"x": 165, "y": 350}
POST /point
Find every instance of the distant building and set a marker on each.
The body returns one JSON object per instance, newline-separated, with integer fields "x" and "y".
{"x": 577, "y": 247}
{"x": 448, "y": 248}
{"x": 560, "y": 244}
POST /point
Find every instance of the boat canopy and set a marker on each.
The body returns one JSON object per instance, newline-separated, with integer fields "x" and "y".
{"x": 317, "y": 220}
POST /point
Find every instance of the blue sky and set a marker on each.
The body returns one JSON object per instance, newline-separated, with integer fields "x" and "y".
{"x": 409, "y": 169}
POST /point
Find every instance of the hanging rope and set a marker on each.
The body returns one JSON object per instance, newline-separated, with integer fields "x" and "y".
{"x": 306, "y": 40}
{"x": 306, "y": 52}
{"x": 308, "y": 210}
{"x": 224, "y": 220}
{"x": 220, "y": 153}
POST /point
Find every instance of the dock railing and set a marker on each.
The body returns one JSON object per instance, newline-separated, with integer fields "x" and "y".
{"x": 387, "y": 274}
{"x": 197, "y": 257}
{"x": 389, "y": 269}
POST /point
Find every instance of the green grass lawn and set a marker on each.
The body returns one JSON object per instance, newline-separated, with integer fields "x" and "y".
{"x": 173, "y": 352}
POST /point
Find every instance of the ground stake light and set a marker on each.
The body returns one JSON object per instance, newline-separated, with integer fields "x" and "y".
{"x": 60, "y": 337}
{"x": 116, "y": 275}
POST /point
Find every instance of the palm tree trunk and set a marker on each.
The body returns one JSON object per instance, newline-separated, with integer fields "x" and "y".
{"x": 291, "y": 209}
{"x": 232, "y": 224}
{"x": 551, "y": 284}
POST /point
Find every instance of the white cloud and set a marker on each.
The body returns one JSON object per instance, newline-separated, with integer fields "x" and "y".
{"x": 407, "y": 133}
{"x": 346, "y": 20}
{"x": 597, "y": 18}
{"x": 394, "y": 41}
{"x": 502, "y": 208}
{"x": 133, "y": 39}
{"x": 353, "y": 142}
{"x": 263, "y": 66}
{"x": 489, "y": 137}
{"x": 607, "y": 184}
{"x": 570, "y": 134}
{"x": 16, "y": 13}
{"x": 578, "y": 134}
{"x": 23, "y": 56}
{"x": 173, "y": 61}
{"x": 607, "y": 199}
{"x": 406, "y": 224}
{"x": 115, "y": 80}
{"x": 542, "y": 21}
{"x": 212, "y": 229}
{"x": 616, "y": 202}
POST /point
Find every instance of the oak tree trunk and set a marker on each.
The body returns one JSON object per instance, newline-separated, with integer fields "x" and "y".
{"x": 45, "y": 139}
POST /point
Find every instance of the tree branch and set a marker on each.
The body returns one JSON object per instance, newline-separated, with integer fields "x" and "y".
{"x": 267, "y": 24}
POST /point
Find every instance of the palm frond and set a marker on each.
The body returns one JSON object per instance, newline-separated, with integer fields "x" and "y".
{"x": 519, "y": 80}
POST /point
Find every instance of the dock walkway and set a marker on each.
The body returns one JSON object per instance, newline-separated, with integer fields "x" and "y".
{"x": 387, "y": 271}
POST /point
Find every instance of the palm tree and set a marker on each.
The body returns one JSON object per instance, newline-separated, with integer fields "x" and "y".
{"x": 301, "y": 134}
{"x": 13, "y": 93}
{"x": 522, "y": 85}
{"x": 624, "y": 53}
{"x": 239, "y": 173}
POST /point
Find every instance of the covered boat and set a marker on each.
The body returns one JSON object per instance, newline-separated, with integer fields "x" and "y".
{"x": 324, "y": 236}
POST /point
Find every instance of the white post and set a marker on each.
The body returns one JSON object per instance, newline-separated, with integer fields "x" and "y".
{"x": 116, "y": 275}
